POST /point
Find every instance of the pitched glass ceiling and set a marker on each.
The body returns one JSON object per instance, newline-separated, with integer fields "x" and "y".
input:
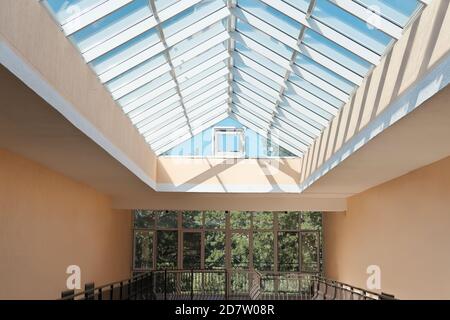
{"x": 281, "y": 68}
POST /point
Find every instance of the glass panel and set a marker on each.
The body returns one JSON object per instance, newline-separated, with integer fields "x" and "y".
{"x": 192, "y": 219}
{"x": 288, "y": 251}
{"x": 167, "y": 248}
{"x": 240, "y": 219}
{"x": 263, "y": 220}
{"x": 263, "y": 254}
{"x": 239, "y": 251}
{"x": 398, "y": 11}
{"x": 215, "y": 219}
{"x": 112, "y": 24}
{"x": 190, "y": 16}
{"x": 324, "y": 73}
{"x": 288, "y": 220}
{"x": 165, "y": 78}
{"x": 260, "y": 59}
{"x": 203, "y": 74}
{"x": 197, "y": 39}
{"x": 136, "y": 72}
{"x": 238, "y": 63}
{"x": 306, "y": 103}
{"x": 321, "y": 94}
{"x": 64, "y": 11}
{"x": 272, "y": 16}
{"x": 352, "y": 27}
{"x": 143, "y": 249}
{"x": 214, "y": 250}
{"x": 200, "y": 59}
{"x": 168, "y": 219}
{"x": 264, "y": 39}
{"x": 163, "y": 4}
{"x": 302, "y": 5}
{"x": 310, "y": 251}
{"x": 125, "y": 51}
{"x": 144, "y": 219}
{"x": 335, "y": 52}
{"x": 311, "y": 221}
{"x": 192, "y": 244}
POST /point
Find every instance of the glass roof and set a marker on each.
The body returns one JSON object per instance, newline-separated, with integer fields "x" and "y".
{"x": 282, "y": 68}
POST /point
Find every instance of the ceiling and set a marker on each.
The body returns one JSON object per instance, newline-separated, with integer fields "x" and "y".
{"x": 281, "y": 68}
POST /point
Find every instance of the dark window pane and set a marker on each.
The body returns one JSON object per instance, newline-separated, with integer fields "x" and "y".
{"x": 167, "y": 245}
{"x": 311, "y": 221}
{"x": 143, "y": 249}
{"x": 192, "y": 219}
{"x": 239, "y": 251}
{"x": 310, "y": 251}
{"x": 168, "y": 219}
{"x": 288, "y": 220}
{"x": 240, "y": 219}
{"x": 214, "y": 250}
{"x": 263, "y": 251}
{"x": 288, "y": 251}
{"x": 215, "y": 219}
{"x": 263, "y": 220}
{"x": 144, "y": 219}
{"x": 192, "y": 243}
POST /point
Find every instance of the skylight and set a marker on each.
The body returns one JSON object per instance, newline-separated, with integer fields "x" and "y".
{"x": 281, "y": 68}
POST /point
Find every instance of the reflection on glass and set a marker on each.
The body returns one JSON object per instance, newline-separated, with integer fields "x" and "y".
{"x": 239, "y": 251}
{"x": 310, "y": 251}
{"x": 215, "y": 219}
{"x": 263, "y": 251}
{"x": 240, "y": 219}
{"x": 192, "y": 243}
{"x": 192, "y": 219}
{"x": 144, "y": 219}
{"x": 143, "y": 249}
{"x": 263, "y": 220}
{"x": 167, "y": 247}
{"x": 168, "y": 219}
{"x": 311, "y": 221}
{"x": 288, "y": 251}
{"x": 288, "y": 220}
{"x": 214, "y": 250}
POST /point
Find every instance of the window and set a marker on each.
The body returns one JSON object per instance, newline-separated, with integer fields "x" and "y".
{"x": 167, "y": 246}
{"x": 229, "y": 142}
{"x": 266, "y": 241}
{"x": 143, "y": 249}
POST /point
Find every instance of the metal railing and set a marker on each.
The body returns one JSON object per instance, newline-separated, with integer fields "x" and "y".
{"x": 223, "y": 285}
{"x": 326, "y": 289}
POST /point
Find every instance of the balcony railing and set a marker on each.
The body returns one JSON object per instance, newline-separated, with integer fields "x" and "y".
{"x": 223, "y": 285}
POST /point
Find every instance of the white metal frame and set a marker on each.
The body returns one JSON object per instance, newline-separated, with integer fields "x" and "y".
{"x": 276, "y": 114}
{"x": 239, "y": 132}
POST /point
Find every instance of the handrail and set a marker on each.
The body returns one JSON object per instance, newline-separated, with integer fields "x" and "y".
{"x": 223, "y": 284}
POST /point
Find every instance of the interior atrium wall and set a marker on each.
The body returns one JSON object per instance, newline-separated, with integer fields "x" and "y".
{"x": 49, "y": 222}
{"x": 402, "y": 226}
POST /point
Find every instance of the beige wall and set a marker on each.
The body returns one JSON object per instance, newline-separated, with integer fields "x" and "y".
{"x": 48, "y": 222}
{"x": 403, "y": 227}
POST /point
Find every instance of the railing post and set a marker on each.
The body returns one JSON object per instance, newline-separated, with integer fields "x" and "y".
{"x": 165, "y": 284}
{"x": 111, "y": 292}
{"x": 192, "y": 284}
{"x": 100, "y": 294}
{"x": 226, "y": 284}
{"x": 121, "y": 291}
